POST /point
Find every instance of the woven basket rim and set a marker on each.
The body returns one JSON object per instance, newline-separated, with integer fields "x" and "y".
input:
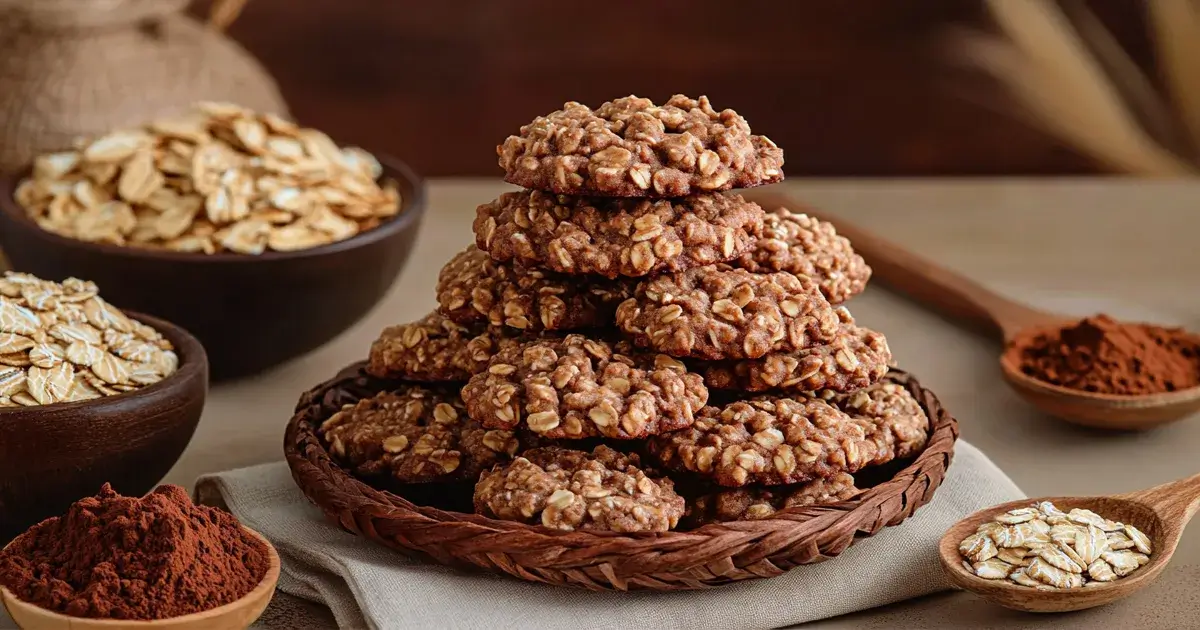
{"x": 310, "y": 466}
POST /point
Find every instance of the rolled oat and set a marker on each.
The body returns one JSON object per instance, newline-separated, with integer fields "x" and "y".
{"x": 223, "y": 179}
{"x": 64, "y": 343}
{"x": 630, "y": 147}
{"x": 1041, "y": 546}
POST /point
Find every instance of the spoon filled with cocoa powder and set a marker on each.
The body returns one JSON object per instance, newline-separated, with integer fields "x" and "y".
{"x": 1097, "y": 371}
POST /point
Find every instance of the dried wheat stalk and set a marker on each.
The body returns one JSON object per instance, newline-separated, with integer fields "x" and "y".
{"x": 1073, "y": 80}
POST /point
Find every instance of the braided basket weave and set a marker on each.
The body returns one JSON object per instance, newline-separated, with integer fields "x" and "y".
{"x": 712, "y": 555}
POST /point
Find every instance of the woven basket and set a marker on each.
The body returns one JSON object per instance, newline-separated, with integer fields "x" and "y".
{"x": 712, "y": 555}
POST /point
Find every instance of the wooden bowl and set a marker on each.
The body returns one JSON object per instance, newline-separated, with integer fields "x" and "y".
{"x": 1023, "y": 598}
{"x": 250, "y": 312}
{"x": 236, "y": 615}
{"x": 52, "y": 455}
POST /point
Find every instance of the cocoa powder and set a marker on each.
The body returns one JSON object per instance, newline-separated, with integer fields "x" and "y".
{"x": 119, "y": 557}
{"x": 1103, "y": 355}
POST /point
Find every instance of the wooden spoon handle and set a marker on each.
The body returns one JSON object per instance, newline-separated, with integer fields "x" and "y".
{"x": 1175, "y": 501}
{"x": 923, "y": 280}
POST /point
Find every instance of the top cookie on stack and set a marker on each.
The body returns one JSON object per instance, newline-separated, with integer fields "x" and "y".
{"x": 631, "y": 147}
{"x": 605, "y": 301}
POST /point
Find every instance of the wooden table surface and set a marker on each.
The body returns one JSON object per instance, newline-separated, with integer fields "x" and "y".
{"x": 1083, "y": 245}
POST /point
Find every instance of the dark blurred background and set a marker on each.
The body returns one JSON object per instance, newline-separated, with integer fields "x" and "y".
{"x": 847, "y": 88}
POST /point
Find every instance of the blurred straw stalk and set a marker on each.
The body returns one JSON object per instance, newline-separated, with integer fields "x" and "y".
{"x": 1069, "y": 76}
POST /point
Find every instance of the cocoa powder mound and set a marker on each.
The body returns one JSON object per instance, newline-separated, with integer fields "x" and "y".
{"x": 1103, "y": 355}
{"x": 117, "y": 557}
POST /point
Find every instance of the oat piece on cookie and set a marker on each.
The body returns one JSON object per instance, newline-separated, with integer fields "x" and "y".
{"x": 616, "y": 237}
{"x": 747, "y": 504}
{"x": 415, "y": 434}
{"x": 723, "y": 313}
{"x": 568, "y": 490}
{"x": 630, "y": 147}
{"x": 579, "y": 387}
{"x": 895, "y": 424}
{"x": 474, "y": 289}
{"x": 803, "y": 245}
{"x": 768, "y": 440}
{"x": 857, "y": 358}
{"x": 435, "y": 349}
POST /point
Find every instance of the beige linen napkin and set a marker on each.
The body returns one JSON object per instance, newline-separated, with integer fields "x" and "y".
{"x": 369, "y": 586}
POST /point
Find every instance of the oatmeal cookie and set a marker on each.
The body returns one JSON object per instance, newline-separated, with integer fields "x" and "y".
{"x": 767, "y": 440}
{"x": 805, "y": 246}
{"x": 579, "y": 387}
{"x": 616, "y": 237}
{"x": 473, "y": 289}
{"x": 435, "y": 349}
{"x": 747, "y": 504}
{"x": 568, "y": 490}
{"x": 895, "y": 424}
{"x": 630, "y": 147}
{"x": 723, "y": 313}
{"x": 415, "y": 434}
{"x": 858, "y": 358}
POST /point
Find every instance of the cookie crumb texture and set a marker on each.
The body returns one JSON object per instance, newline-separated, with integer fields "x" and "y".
{"x": 415, "y": 434}
{"x": 891, "y": 418}
{"x": 748, "y": 504}
{"x": 616, "y": 237}
{"x": 569, "y": 490}
{"x": 435, "y": 349}
{"x": 778, "y": 440}
{"x": 723, "y": 313}
{"x": 803, "y": 245}
{"x": 474, "y": 289}
{"x": 630, "y": 147}
{"x": 134, "y": 558}
{"x": 857, "y": 358}
{"x": 580, "y": 387}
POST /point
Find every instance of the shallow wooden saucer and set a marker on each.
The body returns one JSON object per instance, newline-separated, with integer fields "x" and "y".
{"x": 236, "y": 615}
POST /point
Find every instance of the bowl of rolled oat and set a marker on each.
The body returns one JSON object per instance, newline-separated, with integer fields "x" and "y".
{"x": 88, "y": 394}
{"x": 263, "y": 238}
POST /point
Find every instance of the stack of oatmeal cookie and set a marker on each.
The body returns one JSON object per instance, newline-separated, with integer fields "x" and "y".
{"x": 625, "y": 333}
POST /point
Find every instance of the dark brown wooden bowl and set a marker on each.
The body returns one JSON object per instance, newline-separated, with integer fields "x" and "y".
{"x": 250, "y": 312}
{"x": 54, "y": 455}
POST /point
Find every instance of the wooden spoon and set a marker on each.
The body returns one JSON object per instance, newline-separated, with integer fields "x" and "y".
{"x": 959, "y": 297}
{"x": 236, "y": 615}
{"x": 1162, "y": 513}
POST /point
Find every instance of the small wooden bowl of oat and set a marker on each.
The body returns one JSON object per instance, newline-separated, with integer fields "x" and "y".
{"x": 88, "y": 394}
{"x": 262, "y": 238}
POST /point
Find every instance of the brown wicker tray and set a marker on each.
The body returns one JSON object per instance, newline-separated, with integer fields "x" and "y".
{"x": 712, "y": 555}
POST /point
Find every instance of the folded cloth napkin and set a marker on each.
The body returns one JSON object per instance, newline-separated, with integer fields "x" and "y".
{"x": 369, "y": 586}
